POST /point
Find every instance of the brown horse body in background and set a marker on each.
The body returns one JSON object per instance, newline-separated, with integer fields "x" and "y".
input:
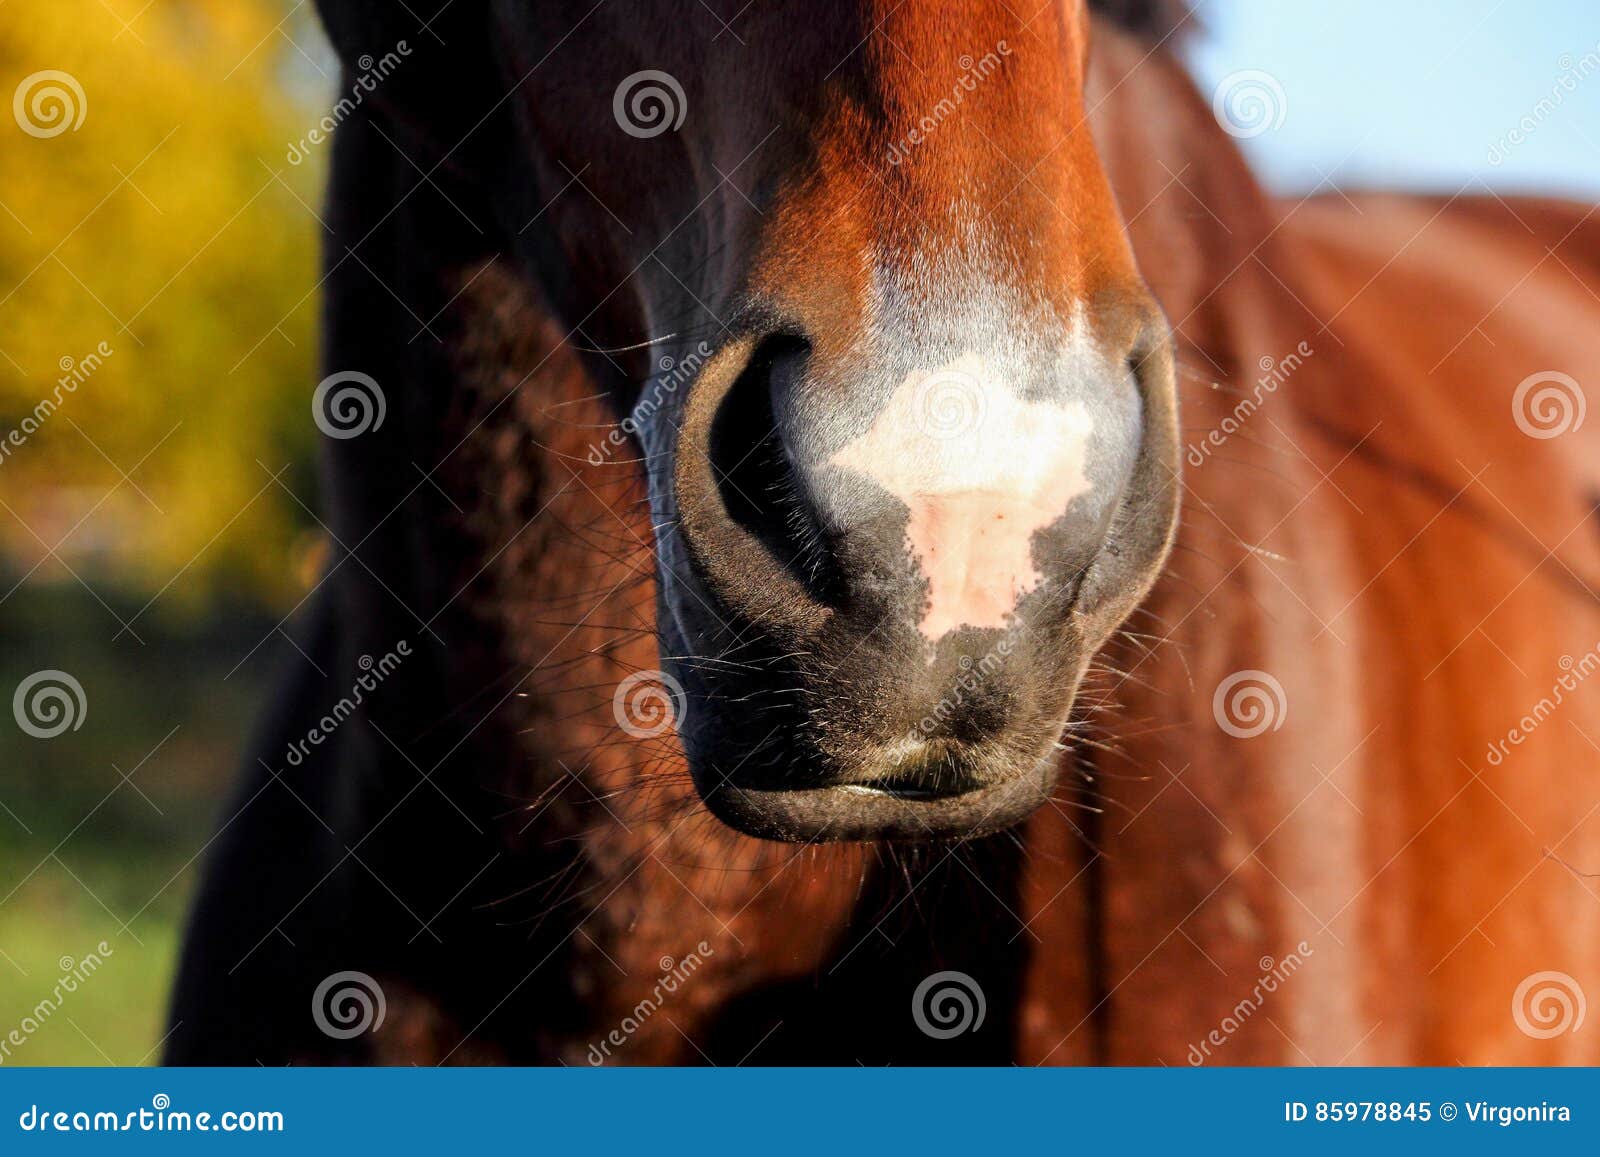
{"x": 1417, "y": 572}
{"x": 1378, "y": 535}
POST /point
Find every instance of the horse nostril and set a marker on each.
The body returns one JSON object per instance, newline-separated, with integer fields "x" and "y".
{"x": 756, "y": 478}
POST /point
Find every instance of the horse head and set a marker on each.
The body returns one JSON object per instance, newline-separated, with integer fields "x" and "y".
{"x": 854, "y": 282}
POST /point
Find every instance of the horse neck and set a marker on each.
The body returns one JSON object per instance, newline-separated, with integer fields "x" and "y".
{"x": 1197, "y": 217}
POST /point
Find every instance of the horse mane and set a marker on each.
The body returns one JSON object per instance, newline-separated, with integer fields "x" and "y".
{"x": 1154, "y": 20}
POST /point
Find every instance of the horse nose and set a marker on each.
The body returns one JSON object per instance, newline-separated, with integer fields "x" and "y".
{"x": 966, "y": 494}
{"x": 949, "y": 493}
{"x": 897, "y": 570}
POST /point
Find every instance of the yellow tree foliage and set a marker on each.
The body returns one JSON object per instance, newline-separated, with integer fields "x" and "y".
{"x": 158, "y": 264}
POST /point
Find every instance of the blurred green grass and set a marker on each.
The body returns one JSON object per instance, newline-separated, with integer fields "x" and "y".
{"x": 115, "y": 1018}
{"x": 89, "y": 856}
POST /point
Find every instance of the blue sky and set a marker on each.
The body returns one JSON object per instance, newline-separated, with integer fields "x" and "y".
{"x": 1417, "y": 93}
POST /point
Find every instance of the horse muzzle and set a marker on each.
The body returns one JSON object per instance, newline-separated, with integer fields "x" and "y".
{"x": 880, "y": 596}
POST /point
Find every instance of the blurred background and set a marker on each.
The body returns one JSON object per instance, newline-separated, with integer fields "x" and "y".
{"x": 158, "y": 305}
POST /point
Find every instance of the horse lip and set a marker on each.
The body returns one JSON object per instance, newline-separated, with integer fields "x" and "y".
{"x": 875, "y": 812}
{"x": 898, "y": 791}
{"x": 918, "y": 771}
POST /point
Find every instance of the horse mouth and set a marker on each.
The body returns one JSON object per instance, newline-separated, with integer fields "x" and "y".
{"x": 905, "y": 789}
{"x": 921, "y": 771}
{"x": 895, "y": 808}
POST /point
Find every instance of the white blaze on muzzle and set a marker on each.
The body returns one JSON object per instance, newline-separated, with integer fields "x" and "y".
{"x": 980, "y": 469}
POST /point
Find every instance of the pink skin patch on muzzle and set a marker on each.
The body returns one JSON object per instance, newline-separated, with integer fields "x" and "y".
{"x": 981, "y": 469}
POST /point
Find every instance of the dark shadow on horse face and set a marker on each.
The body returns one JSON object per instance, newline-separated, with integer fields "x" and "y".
{"x": 914, "y": 457}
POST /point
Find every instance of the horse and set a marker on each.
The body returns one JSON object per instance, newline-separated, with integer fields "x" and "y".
{"x": 860, "y": 533}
